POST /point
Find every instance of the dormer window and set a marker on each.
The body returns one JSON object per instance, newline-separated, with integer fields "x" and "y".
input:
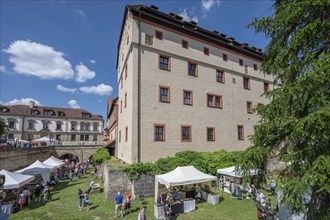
{"x": 3, "y": 109}
{"x": 34, "y": 112}
{"x": 48, "y": 112}
{"x": 61, "y": 114}
{"x": 86, "y": 115}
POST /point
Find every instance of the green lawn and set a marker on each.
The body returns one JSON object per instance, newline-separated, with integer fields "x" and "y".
{"x": 64, "y": 205}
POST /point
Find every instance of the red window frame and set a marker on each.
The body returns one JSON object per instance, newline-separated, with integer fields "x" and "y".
{"x": 213, "y": 101}
{"x": 248, "y": 83}
{"x": 168, "y": 94}
{"x": 240, "y": 132}
{"x": 249, "y": 107}
{"x": 190, "y": 134}
{"x": 255, "y": 67}
{"x": 206, "y": 51}
{"x": 191, "y": 97}
{"x": 159, "y": 35}
{"x": 162, "y": 56}
{"x": 185, "y": 44}
{"x": 241, "y": 62}
{"x": 222, "y": 72}
{"x": 225, "y": 57}
{"x": 196, "y": 68}
{"x": 163, "y": 133}
{"x": 207, "y": 133}
{"x": 266, "y": 87}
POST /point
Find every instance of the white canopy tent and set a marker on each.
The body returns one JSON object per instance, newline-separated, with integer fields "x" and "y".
{"x": 182, "y": 176}
{"x": 43, "y": 139}
{"x": 53, "y": 161}
{"x": 15, "y": 180}
{"x": 37, "y": 167}
{"x": 230, "y": 171}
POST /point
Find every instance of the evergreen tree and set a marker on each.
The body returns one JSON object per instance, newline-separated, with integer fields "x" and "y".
{"x": 295, "y": 125}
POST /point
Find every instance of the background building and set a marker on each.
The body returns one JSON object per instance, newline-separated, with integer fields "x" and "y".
{"x": 111, "y": 131}
{"x": 182, "y": 87}
{"x": 70, "y": 126}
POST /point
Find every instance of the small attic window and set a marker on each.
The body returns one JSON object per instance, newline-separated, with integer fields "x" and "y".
{"x": 154, "y": 7}
{"x": 61, "y": 114}
{"x": 86, "y": 115}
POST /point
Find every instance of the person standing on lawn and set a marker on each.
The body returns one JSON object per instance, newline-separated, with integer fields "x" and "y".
{"x": 118, "y": 207}
{"x": 80, "y": 199}
{"x": 128, "y": 199}
{"x": 142, "y": 213}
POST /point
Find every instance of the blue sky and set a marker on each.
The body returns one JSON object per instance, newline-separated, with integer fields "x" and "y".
{"x": 63, "y": 53}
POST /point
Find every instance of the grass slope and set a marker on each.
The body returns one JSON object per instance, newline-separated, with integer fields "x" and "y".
{"x": 64, "y": 205}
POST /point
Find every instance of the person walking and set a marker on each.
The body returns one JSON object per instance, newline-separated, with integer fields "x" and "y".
{"x": 128, "y": 199}
{"x": 70, "y": 176}
{"x": 118, "y": 207}
{"x": 37, "y": 192}
{"x": 142, "y": 213}
{"x": 80, "y": 199}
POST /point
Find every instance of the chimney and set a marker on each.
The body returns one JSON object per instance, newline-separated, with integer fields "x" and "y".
{"x": 31, "y": 104}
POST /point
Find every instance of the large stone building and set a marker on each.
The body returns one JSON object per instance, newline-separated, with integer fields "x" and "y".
{"x": 182, "y": 87}
{"x": 111, "y": 131}
{"x": 68, "y": 125}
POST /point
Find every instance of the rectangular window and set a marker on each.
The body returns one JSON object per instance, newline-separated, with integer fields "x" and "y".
{"x": 164, "y": 62}
{"x": 164, "y": 94}
{"x": 186, "y": 133}
{"x": 187, "y": 97}
{"x": 82, "y": 137}
{"x": 58, "y": 137}
{"x": 121, "y": 106}
{"x": 127, "y": 39}
{"x": 10, "y": 136}
{"x": 11, "y": 125}
{"x": 125, "y": 102}
{"x": 206, "y": 51}
{"x": 192, "y": 69}
{"x": 185, "y": 44}
{"x": 255, "y": 67}
{"x": 126, "y": 71}
{"x": 225, "y": 57}
{"x": 48, "y": 112}
{"x": 73, "y": 126}
{"x": 31, "y": 125}
{"x": 214, "y": 101}
{"x": 121, "y": 82}
{"x": 126, "y": 134}
{"x": 159, "y": 35}
{"x": 266, "y": 87}
{"x": 30, "y": 137}
{"x": 119, "y": 136}
{"x": 58, "y": 126}
{"x": 159, "y": 133}
{"x": 241, "y": 62}
{"x": 220, "y": 76}
{"x": 86, "y": 137}
{"x": 210, "y": 134}
{"x": 249, "y": 107}
{"x": 240, "y": 132}
{"x": 246, "y": 83}
{"x": 73, "y": 137}
{"x": 95, "y": 126}
{"x": 45, "y": 125}
{"x": 86, "y": 115}
{"x": 94, "y": 137}
{"x": 246, "y": 69}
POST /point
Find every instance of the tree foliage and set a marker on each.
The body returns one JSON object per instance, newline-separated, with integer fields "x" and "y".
{"x": 207, "y": 162}
{"x": 101, "y": 155}
{"x": 294, "y": 126}
{"x": 3, "y": 127}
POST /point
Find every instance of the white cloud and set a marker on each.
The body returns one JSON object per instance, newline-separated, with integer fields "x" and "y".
{"x": 92, "y": 61}
{"x": 80, "y": 12}
{"x": 23, "y": 101}
{"x": 3, "y": 69}
{"x": 83, "y": 73}
{"x": 73, "y": 103}
{"x": 31, "y": 58}
{"x": 100, "y": 89}
{"x": 65, "y": 89}
{"x": 188, "y": 16}
{"x": 208, "y": 4}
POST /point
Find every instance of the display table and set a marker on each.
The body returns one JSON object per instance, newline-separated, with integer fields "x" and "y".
{"x": 177, "y": 207}
{"x": 210, "y": 197}
{"x": 189, "y": 205}
{"x": 158, "y": 212}
{"x": 8, "y": 208}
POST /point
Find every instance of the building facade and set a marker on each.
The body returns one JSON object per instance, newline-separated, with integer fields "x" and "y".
{"x": 182, "y": 87}
{"x": 111, "y": 131}
{"x": 67, "y": 125}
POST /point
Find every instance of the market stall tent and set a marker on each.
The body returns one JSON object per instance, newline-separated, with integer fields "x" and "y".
{"x": 182, "y": 176}
{"x": 53, "y": 161}
{"x": 230, "y": 171}
{"x": 15, "y": 180}
{"x": 37, "y": 167}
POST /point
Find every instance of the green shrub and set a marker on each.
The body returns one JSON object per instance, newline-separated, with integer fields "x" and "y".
{"x": 101, "y": 155}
